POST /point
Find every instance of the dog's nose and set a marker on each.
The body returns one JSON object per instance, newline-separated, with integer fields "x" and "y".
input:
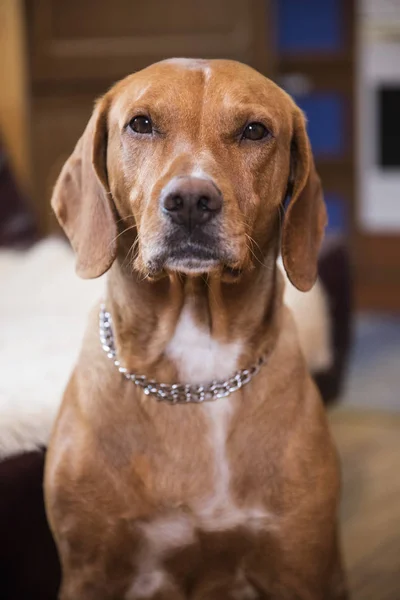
{"x": 191, "y": 201}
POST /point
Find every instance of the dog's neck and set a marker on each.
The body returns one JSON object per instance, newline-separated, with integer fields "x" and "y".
{"x": 146, "y": 314}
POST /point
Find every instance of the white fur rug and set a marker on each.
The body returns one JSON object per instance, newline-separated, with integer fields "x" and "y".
{"x": 43, "y": 309}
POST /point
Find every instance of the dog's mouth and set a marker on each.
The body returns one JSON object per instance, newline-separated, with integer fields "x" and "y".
{"x": 192, "y": 263}
{"x": 191, "y": 257}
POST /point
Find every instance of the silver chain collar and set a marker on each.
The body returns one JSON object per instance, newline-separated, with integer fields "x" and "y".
{"x": 176, "y": 393}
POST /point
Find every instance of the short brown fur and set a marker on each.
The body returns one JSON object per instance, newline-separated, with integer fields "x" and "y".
{"x": 120, "y": 462}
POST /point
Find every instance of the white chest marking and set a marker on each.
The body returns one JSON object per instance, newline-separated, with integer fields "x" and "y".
{"x": 219, "y": 505}
{"x": 161, "y": 536}
{"x": 198, "y": 357}
{"x": 147, "y": 584}
{"x": 219, "y": 511}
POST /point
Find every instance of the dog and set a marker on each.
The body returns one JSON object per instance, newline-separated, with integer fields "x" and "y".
{"x": 191, "y": 457}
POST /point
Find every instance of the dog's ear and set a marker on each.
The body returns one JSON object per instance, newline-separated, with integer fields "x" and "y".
{"x": 305, "y": 217}
{"x": 82, "y": 201}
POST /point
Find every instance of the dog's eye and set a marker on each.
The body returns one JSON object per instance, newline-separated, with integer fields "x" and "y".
{"x": 255, "y": 131}
{"x": 141, "y": 124}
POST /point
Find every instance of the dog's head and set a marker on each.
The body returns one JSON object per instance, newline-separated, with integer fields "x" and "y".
{"x": 195, "y": 159}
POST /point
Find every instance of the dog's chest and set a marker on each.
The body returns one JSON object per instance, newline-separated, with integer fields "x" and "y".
{"x": 201, "y": 359}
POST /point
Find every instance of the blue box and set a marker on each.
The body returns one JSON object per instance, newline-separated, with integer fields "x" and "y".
{"x": 325, "y": 122}
{"x": 309, "y": 26}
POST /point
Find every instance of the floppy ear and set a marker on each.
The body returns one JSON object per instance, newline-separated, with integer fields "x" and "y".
{"x": 305, "y": 218}
{"x": 82, "y": 201}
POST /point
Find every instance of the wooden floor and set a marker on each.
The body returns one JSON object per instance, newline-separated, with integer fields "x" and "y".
{"x": 369, "y": 446}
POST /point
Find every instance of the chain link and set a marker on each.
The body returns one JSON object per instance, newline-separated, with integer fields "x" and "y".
{"x": 176, "y": 393}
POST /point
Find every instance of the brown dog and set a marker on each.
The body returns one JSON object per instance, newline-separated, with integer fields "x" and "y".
{"x": 176, "y": 187}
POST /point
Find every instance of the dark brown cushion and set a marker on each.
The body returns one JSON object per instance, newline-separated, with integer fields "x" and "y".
{"x": 334, "y": 270}
{"x": 29, "y": 566}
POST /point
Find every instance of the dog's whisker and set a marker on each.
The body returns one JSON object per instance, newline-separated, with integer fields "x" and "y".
{"x": 118, "y": 221}
{"x": 124, "y": 231}
{"x": 250, "y": 249}
{"x": 145, "y": 276}
{"x": 130, "y": 256}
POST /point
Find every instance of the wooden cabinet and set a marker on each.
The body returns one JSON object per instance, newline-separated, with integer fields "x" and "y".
{"x": 101, "y": 40}
{"x": 78, "y": 48}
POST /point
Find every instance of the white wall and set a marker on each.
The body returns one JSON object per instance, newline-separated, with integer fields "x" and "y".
{"x": 378, "y": 62}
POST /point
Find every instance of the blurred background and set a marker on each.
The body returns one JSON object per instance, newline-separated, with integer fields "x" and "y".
{"x": 340, "y": 60}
